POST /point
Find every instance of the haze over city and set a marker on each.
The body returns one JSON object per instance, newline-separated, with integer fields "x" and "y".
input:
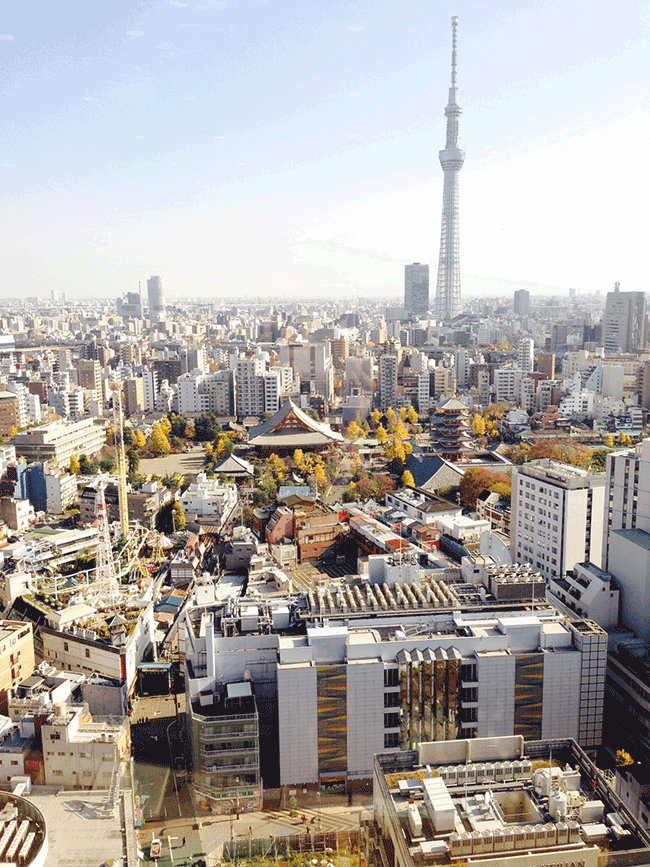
{"x": 285, "y": 149}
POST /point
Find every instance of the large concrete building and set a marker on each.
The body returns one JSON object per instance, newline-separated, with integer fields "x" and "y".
{"x": 557, "y": 516}
{"x": 156, "y": 298}
{"x": 369, "y": 668}
{"x": 624, "y": 322}
{"x": 416, "y": 289}
{"x": 58, "y": 441}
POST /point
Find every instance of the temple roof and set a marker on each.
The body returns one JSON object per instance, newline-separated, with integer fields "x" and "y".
{"x": 291, "y": 427}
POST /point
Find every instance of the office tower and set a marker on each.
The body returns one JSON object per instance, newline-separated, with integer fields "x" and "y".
{"x": 156, "y": 297}
{"x": 557, "y": 516}
{"x": 624, "y": 322}
{"x": 416, "y": 289}
{"x": 522, "y": 302}
{"x": 526, "y": 354}
{"x": 448, "y": 303}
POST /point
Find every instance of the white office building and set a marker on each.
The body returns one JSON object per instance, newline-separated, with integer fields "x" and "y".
{"x": 557, "y": 516}
{"x": 375, "y": 675}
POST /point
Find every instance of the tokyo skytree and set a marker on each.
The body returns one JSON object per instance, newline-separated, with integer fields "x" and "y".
{"x": 448, "y": 303}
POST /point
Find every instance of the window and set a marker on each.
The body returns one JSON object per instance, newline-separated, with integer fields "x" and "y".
{"x": 57, "y": 773}
{"x": 87, "y": 653}
{"x": 391, "y": 699}
{"x": 391, "y": 720}
{"x": 391, "y": 741}
{"x": 55, "y": 736}
{"x": 391, "y": 677}
{"x": 65, "y": 645}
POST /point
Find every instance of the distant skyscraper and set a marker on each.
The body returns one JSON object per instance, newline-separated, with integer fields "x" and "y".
{"x": 416, "y": 288}
{"x": 624, "y": 322}
{"x": 522, "y": 302}
{"x": 156, "y": 297}
{"x": 448, "y": 302}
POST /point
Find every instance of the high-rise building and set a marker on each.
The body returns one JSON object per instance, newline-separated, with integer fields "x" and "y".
{"x": 416, "y": 288}
{"x": 526, "y": 354}
{"x": 522, "y": 302}
{"x": 557, "y": 516}
{"x": 387, "y": 381}
{"x": 89, "y": 376}
{"x": 448, "y": 300}
{"x": 624, "y": 322}
{"x": 156, "y": 298}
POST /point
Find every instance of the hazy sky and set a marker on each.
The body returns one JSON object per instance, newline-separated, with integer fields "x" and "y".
{"x": 283, "y": 148}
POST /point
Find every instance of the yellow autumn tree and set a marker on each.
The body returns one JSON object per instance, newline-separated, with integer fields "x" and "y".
{"x": 411, "y": 415}
{"x": 375, "y": 417}
{"x": 299, "y": 458}
{"x": 407, "y": 479}
{"x": 478, "y": 425}
{"x": 140, "y": 439}
{"x": 381, "y": 434}
{"x": 75, "y": 466}
{"x": 166, "y": 426}
{"x": 159, "y": 442}
{"x": 354, "y": 431}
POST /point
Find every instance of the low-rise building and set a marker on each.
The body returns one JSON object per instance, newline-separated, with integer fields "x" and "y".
{"x": 208, "y": 498}
{"x": 58, "y": 441}
{"x": 80, "y": 751}
{"x": 498, "y": 801}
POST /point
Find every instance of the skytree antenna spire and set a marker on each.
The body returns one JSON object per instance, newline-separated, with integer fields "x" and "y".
{"x": 448, "y": 302}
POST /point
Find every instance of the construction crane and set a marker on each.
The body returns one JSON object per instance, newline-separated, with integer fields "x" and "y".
{"x": 120, "y": 458}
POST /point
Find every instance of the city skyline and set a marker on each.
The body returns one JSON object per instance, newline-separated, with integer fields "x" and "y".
{"x": 294, "y": 152}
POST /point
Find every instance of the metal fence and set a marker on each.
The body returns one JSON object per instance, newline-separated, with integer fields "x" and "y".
{"x": 285, "y": 847}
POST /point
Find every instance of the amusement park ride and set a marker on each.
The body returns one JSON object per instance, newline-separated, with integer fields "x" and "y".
{"x": 117, "y": 579}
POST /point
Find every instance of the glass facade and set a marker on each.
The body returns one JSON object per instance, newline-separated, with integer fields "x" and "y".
{"x": 529, "y": 685}
{"x": 331, "y": 687}
{"x": 429, "y": 699}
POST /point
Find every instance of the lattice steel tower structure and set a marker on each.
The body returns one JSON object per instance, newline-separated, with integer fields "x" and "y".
{"x": 448, "y": 303}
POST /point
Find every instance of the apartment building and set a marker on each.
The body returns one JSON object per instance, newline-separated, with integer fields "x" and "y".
{"x": 16, "y": 655}
{"x": 388, "y": 396}
{"x": 556, "y": 516}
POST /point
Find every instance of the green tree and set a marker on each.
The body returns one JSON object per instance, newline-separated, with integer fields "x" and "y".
{"x": 349, "y": 495}
{"x": 75, "y": 468}
{"x": 107, "y": 465}
{"x": 178, "y": 517}
{"x": 86, "y": 466}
